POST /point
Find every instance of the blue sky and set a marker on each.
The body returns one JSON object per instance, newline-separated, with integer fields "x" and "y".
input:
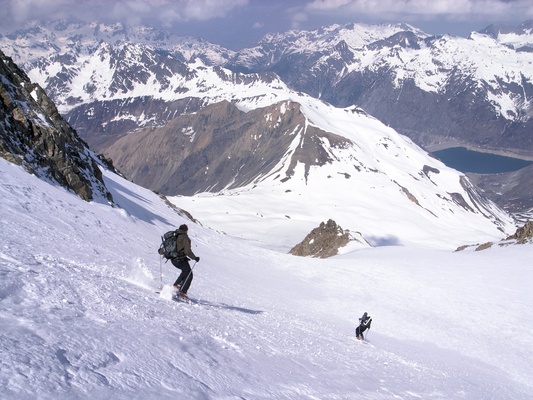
{"x": 239, "y": 23}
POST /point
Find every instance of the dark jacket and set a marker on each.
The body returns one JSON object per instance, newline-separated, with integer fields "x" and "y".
{"x": 365, "y": 321}
{"x": 183, "y": 245}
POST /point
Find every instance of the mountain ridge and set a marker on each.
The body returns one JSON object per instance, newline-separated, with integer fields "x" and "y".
{"x": 419, "y": 84}
{"x": 413, "y": 81}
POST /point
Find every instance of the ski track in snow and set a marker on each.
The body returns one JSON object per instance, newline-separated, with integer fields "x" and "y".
{"x": 80, "y": 316}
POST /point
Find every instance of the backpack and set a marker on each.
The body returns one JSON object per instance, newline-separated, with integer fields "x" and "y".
{"x": 168, "y": 248}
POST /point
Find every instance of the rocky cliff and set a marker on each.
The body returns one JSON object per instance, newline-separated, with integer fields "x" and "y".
{"x": 33, "y": 134}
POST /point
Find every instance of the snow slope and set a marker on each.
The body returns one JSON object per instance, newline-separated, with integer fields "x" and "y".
{"x": 80, "y": 317}
{"x": 380, "y": 184}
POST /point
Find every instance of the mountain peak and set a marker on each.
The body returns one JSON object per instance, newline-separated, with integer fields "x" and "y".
{"x": 514, "y": 36}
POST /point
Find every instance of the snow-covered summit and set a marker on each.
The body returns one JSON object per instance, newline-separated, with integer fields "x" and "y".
{"x": 274, "y": 47}
{"x": 38, "y": 42}
{"x": 520, "y": 37}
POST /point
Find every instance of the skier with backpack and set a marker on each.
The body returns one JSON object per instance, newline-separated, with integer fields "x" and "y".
{"x": 364, "y": 324}
{"x": 176, "y": 247}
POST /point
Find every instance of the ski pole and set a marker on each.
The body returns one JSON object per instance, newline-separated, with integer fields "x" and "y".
{"x": 160, "y": 273}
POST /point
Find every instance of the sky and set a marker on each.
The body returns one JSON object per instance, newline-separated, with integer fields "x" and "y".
{"x": 235, "y": 24}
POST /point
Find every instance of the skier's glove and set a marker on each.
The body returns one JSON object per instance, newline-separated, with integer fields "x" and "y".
{"x": 197, "y": 259}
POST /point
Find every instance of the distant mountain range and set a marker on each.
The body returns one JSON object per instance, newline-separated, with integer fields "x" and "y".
{"x": 140, "y": 95}
{"x": 439, "y": 90}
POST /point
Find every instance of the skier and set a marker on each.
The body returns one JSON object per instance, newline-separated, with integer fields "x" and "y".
{"x": 183, "y": 246}
{"x": 364, "y": 324}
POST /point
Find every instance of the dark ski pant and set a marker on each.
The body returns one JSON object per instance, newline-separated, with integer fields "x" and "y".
{"x": 359, "y": 331}
{"x": 185, "y": 278}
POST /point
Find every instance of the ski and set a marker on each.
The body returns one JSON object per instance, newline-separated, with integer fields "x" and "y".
{"x": 171, "y": 294}
{"x": 181, "y": 299}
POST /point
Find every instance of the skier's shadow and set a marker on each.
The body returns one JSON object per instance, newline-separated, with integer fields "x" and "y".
{"x": 224, "y": 306}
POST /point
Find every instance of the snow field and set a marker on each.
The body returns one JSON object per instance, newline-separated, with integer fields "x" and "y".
{"x": 80, "y": 317}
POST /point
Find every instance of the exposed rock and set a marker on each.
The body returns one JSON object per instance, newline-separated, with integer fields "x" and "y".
{"x": 100, "y": 123}
{"x": 34, "y": 135}
{"x": 220, "y": 147}
{"x": 523, "y": 234}
{"x": 484, "y": 246}
{"x": 324, "y": 241}
{"x": 510, "y": 190}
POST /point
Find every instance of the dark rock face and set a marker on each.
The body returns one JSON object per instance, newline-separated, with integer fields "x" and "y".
{"x": 511, "y": 190}
{"x": 33, "y": 134}
{"x": 101, "y": 123}
{"x": 220, "y": 147}
{"x": 431, "y": 118}
{"x": 322, "y": 242}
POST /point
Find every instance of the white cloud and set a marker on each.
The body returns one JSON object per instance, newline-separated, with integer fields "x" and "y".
{"x": 208, "y": 9}
{"x": 23, "y": 10}
{"x": 327, "y": 4}
{"x": 297, "y": 19}
{"x": 398, "y": 9}
{"x": 167, "y": 11}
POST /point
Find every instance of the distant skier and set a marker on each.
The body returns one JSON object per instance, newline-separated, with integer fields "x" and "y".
{"x": 181, "y": 262}
{"x": 364, "y": 324}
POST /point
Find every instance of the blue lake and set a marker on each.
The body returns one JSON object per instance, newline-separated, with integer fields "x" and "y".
{"x": 465, "y": 160}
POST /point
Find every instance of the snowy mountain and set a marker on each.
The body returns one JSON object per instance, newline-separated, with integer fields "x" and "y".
{"x": 317, "y": 159}
{"x": 279, "y": 49}
{"x": 38, "y": 45}
{"x": 255, "y": 138}
{"x": 439, "y": 90}
{"x": 79, "y": 310}
{"x": 80, "y": 317}
{"x": 249, "y": 136}
{"x": 518, "y": 37}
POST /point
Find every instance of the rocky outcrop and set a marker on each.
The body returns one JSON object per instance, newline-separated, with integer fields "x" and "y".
{"x": 322, "y": 242}
{"x": 523, "y": 234}
{"x": 33, "y": 134}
